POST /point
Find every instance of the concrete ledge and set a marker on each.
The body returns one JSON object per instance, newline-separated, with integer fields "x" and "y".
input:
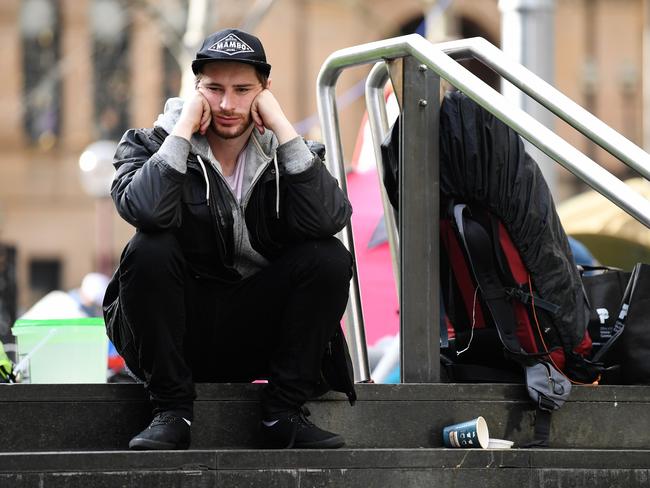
{"x": 366, "y": 392}
{"x": 341, "y": 468}
{"x": 105, "y": 417}
{"x": 251, "y": 459}
{"x": 434, "y": 458}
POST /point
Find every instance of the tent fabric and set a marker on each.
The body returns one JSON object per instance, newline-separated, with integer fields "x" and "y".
{"x": 483, "y": 161}
{"x": 590, "y": 213}
{"x": 378, "y": 289}
{"x": 613, "y": 236}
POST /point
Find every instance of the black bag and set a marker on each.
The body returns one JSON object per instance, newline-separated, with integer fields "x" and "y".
{"x": 604, "y": 288}
{"x": 627, "y": 352}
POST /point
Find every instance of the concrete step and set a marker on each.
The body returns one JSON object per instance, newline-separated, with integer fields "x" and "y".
{"x": 105, "y": 417}
{"x": 349, "y": 468}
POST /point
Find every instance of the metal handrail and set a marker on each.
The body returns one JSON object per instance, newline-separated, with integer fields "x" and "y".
{"x": 378, "y": 120}
{"x": 555, "y": 101}
{"x": 435, "y": 58}
{"x": 539, "y": 135}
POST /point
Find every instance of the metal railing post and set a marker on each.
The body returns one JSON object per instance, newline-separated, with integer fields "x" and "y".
{"x": 419, "y": 224}
{"x": 334, "y": 159}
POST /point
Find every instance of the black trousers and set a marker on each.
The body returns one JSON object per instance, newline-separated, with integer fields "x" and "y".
{"x": 178, "y": 329}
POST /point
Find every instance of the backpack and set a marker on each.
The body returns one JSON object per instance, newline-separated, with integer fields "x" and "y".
{"x": 498, "y": 325}
{"x": 484, "y": 165}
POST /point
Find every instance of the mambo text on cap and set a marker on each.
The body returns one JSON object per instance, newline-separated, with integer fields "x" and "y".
{"x": 230, "y": 45}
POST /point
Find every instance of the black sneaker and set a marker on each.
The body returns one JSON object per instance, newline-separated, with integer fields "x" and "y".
{"x": 292, "y": 430}
{"x": 166, "y": 431}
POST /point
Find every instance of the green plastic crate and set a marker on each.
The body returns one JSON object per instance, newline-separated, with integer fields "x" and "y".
{"x": 62, "y": 350}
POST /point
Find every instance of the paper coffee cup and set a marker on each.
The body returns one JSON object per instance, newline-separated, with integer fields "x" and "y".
{"x": 470, "y": 434}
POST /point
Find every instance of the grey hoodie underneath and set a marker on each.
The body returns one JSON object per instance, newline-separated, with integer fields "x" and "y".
{"x": 294, "y": 156}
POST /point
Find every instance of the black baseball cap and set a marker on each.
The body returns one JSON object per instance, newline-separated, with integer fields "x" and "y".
{"x": 232, "y": 45}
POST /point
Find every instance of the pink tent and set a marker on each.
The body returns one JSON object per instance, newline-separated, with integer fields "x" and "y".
{"x": 378, "y": 291}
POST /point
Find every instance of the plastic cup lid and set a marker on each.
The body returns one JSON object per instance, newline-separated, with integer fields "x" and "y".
{"x": 499, "y": 444}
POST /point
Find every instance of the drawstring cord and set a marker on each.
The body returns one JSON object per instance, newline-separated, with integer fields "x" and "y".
{"x": 277, "y": 186}
{"x": 277, "y": 183}
{"x": 207, "y": 182}
{"x": 471, "y": 337}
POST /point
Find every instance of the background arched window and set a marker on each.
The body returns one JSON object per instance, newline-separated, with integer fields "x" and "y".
{"x": 110, "y": 31}
{"x": 173, "y": 76}
{"x": 172, "y": 23}
{"x": 40, "y": 28}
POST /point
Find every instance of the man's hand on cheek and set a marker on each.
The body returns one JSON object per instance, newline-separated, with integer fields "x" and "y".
{"x": 267, "y": 113}
{"x": 195, "y": 116}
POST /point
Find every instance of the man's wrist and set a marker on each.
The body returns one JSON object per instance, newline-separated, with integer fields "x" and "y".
{"x": 183, "y": 129}
{"x": 284, "y": 131}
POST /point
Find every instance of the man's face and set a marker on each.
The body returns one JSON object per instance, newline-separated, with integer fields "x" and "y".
{"x": 230, "y": 88}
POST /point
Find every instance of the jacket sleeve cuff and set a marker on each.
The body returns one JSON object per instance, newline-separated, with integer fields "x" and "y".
{"x": 174, "y": 151}
{"x": 295, "y": 156}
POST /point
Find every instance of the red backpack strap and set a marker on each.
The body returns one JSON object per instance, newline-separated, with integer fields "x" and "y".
{"x": 478, "y": 246}
{"x": 461, "y": 274}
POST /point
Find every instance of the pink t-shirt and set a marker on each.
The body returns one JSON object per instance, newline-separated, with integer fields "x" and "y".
{"x": 236, "y": 179}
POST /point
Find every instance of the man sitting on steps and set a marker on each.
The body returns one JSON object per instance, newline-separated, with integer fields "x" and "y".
{"x": 233, "y": 273}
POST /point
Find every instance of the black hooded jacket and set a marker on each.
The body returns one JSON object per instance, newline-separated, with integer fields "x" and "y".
{"x": 152, "y": 196}
{"x": 280, "y": 209}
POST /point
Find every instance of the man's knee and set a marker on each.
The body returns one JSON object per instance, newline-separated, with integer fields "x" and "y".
{"x": 153, "y": 253}
{"x": 327, "y": 260}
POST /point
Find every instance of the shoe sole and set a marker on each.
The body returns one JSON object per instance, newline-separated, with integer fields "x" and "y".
{"x": 139, "y": 444}
{"x": 331, "y": 443}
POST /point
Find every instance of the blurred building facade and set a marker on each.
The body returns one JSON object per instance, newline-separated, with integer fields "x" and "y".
{"x": 79, "y": 71}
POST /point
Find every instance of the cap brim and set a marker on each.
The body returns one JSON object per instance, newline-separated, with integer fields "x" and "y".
{"x": 197, "y": 64}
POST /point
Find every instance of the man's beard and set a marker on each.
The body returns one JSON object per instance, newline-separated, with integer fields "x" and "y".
{"x": 232, "y": 132}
